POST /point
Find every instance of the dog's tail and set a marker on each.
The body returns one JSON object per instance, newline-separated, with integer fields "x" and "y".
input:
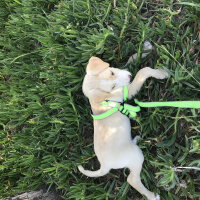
{"x": 98, "y": 173}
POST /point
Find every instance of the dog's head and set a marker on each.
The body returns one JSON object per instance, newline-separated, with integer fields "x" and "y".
{"x": 101, "y": 79}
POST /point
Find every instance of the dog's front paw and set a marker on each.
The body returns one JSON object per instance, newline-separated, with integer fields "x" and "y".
{"x": 161, "y": 74}
{"x": 147, "y": 45}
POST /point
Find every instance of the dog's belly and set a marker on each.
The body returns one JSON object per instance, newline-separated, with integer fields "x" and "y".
{"x": 112, "y": 131}
{"x": 113, "y": 143}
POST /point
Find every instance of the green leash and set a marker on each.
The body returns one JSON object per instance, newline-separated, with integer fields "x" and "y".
{"x": 131, "y": 111}
{"x": 177, "y": 104}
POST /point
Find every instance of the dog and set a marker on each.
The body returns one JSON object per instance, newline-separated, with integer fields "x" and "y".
{"x": 113, "y": 144}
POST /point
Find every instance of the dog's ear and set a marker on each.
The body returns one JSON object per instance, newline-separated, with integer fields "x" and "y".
{"x": 95, "y": 66}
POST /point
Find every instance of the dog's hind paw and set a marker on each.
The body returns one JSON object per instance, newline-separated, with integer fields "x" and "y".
{"x": 136, "y": 138}
{"x": 157, "y": 197}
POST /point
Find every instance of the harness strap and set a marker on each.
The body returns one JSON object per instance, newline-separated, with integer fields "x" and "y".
{"x": 118, "y": 106}
{"x": 106, "y": 114}
{"x": 125, "y": 88}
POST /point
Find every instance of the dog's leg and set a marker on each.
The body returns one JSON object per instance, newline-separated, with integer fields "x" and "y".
{"x": 147, "y": 46}
{"x": 135, "y": 181}
{"x": 141, "y": 77}
{"x": 101, "y": 172}
{"x": 136, "y": 138}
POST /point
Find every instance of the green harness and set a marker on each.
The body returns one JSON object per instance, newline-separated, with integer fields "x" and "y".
{"x": 131, "y": 111}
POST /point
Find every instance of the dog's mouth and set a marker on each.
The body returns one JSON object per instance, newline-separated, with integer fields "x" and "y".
{"x": 125, "y": 81}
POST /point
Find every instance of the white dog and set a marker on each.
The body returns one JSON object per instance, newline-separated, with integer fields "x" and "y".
{"x": 113, "y": 144}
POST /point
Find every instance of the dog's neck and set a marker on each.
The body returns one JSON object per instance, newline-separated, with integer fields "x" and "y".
{"x": 98, "y": 108}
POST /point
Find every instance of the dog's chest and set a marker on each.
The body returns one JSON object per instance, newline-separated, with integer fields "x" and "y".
{"x": 112, "y": 132}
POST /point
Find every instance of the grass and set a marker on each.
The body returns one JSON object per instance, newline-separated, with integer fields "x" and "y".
{"x": 45, "y": 124}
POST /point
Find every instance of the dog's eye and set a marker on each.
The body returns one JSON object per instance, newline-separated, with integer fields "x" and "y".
{"x": 113, "y": 87}
{"x": 112, "y": 73}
